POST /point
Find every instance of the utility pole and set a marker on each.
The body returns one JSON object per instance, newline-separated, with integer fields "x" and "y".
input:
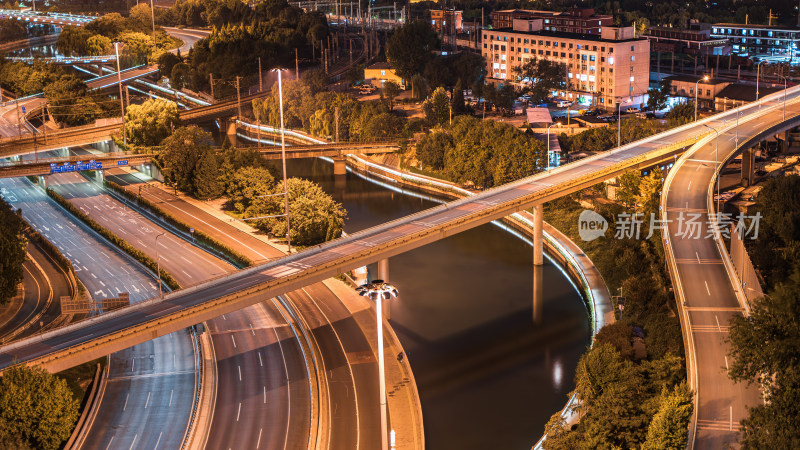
{"x": 153, "y": 16}
{"x": 238, "y": 99}
{"x": 121, "y": 99}
{"x": 19, "y": 119}
{"x": 336, "y": 122}
{"x": 211, "y": 82}
{"x": 260, "y": 81}
{"x": 296, "y": 65}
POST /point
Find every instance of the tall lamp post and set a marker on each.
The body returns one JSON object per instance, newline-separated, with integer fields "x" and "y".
{"x": 705, "y": 78}
{"x": 784, "y": 96}
{"x": 716, "y": 158}
{"x": 378, "y": 291}
{"x": 121, "y": 100}
{"x": 283, "y": 162}
{"x": 619, "y": 124}
{"x": 758, "y": 75}
{"x": 548, "y": 144}
{"x": 158, "y": 268}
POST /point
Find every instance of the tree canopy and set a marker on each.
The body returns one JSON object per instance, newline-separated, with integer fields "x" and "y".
{"x": 180, "y": 156}
{"x": 541, "y": 77}
{"x": 410, "y": 47}
{"x": 36, "y": 408}
{"x": 13, "y": 246}
{"x": 150, "y": 122}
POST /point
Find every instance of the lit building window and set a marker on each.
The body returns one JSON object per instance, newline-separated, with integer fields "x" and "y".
{"x": 611, "y": 60}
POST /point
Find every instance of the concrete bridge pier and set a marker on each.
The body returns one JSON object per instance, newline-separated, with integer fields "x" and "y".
{"x": 538, "y": 261}
{"x": 339, "y": 165}
{"x": 748, "y": 161}
{"x": 43, "y": 181}
{"x": 99, "y": 176}
{"x": 230, "y": 131}
{"x": 538, "y": 294}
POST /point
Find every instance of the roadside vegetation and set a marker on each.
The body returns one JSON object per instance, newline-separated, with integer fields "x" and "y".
{"x": 13, "y": 245}
{"x": 631, "y": 385}
{"x": 765, "y": 345}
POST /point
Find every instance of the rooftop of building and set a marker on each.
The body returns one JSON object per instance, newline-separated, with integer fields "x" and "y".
{"x": 745, "y": 92}
{"x": 754, "y": 26}
{"x": 695, "y": 79}
{"x": 566, "y": 35}
{"x": 383, "y": 65}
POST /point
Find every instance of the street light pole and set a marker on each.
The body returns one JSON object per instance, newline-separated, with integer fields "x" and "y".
{"x": 784, "y": 96}
{"x": 121, "y": 101}
{"x": 378, "y": 291}
{"x": 619, "y": 124}
{"x": 705, "y": 78}
{"x": 716, "y": 158}
{"x": 548, "y": 145}
{"x": 758, "y": 75}
{"x": 158, "y": 268}
{"x": 283, "y": 162}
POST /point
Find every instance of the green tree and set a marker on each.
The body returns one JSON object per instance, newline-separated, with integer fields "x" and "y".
{"x": 138, "y": 48}
{"x": 316, "y": 80}
{"x": 152, "y": 121}
{"x": 669, "y": 426}
{"x": 410, "y": 47}
{"x": 73, "y": 41}
{"x": 541, "y": 77}
{"x": 179, "y": 76}
{"x": 389, "y": 92}
{"x": 13, "y": 247}
{"x": 657, "y": 97}
{"x": 11, "y": 30}
{"x": 419, "y": 88}
{"x": 207, "y": 182}
{"x": 166, "y": 62}
{"x": 69, "y": 102}
{"x": 437, "y": 107}
{"x": 432, "y": 148}
{"x": 315, "y": 217}
{"x": 36, "y": 406}
{"x": 680, "y": 114}
{"x": 630, "y": 183}
{"x": 180, "y": 154}
{"x": 649, "y": 197}
{"x": 247, "y": 186}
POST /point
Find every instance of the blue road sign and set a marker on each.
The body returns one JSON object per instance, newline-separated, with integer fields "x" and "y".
{"x": 23, "y": 110}
{"x": 124, "y": 162}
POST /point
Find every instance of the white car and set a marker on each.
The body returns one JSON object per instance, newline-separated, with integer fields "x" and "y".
{"x": 632, "y": 109}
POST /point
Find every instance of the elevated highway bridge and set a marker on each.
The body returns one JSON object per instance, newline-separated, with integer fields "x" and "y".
{"x": 115, "y": 330}
{"x": 72, "y": 164}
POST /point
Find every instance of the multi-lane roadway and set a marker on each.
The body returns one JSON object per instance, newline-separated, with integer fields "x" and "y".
{"x": 704, "y": 287}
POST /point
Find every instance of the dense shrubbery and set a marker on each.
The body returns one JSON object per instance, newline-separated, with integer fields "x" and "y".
{"x": 485, "y": 153}
{"x": 13, "y": 246}
{"x": 150, "y": 122}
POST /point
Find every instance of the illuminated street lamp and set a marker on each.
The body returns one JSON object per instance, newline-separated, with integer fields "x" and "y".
{"x": 378, "y": 291}
{"x": 158, "y": 268}
{"x": 784, "y": 96}
{"x": 758, "y": 75}
{"x": 283, "y": 162}
{"x": 705, "y": 78}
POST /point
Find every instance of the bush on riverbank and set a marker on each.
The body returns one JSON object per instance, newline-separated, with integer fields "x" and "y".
{"x": 630, "y": 395}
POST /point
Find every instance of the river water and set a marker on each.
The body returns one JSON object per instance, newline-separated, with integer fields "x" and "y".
{"x": 488, "y": 377}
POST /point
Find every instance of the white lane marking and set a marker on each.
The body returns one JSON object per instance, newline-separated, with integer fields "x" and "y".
{"x": 265, "y": 394}
{"x": 717, "y": 319}
{"x": 93, "y": 276}
{"x": 239, "y": 411}
{"x": 126, "y": 402}
{"x": 134, "y": 441}
{"x": 252, "y": 330}
{"x": 159, "y": 440}
{"x": 223, "y": 317}
{"x": 726, "y": 364}
{"x": 698, "y": 257}
{"x": 689, "y": 186}
{"x": 234, "y": 341}
{"x": 730, "y": 423}
{"x": 101, "y": 283}
{"x": 171, "y": 391}
{"x": 147, "y": 402}
{"x": 187, "y": 261}
{"x": 173, "y": 360}
{"x": 133, "y": 363}
{"x": 109, "y": 443}
{"x": 240, "y": 372}
{"x": 258, "y": 442}
{"x": 260, "y": 362}
{"x": 707, "y": 289}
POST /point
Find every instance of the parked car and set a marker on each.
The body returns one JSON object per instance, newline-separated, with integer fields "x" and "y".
{"x": 632, "y": 109}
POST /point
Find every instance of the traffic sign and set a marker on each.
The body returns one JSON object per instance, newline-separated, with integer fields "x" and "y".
{"x": 124, "y": 162}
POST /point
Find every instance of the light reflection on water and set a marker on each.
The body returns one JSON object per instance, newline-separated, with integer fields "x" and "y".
{"x": 488, "y": 377}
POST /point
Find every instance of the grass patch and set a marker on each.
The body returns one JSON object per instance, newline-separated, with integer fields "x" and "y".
{"x": 79, "y": 378}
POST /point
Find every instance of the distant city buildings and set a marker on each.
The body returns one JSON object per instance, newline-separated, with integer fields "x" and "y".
{"x": 759, "y": 40}
{"x": 379, "y": 73}
{"x": 694, "y": 40}
{"x": 610, "y": 67}
{"x": 576, "y": 20}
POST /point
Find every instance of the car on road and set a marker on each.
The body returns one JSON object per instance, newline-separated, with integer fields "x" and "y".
{"x": 632, "y": 109}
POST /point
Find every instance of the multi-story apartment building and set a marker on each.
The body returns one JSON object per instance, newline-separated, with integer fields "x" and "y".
{"x": 694, "y": 40}
{"x": 759, "y": 40}
{"x": 576, "y": 20}
{"x": 602, "y": 70}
